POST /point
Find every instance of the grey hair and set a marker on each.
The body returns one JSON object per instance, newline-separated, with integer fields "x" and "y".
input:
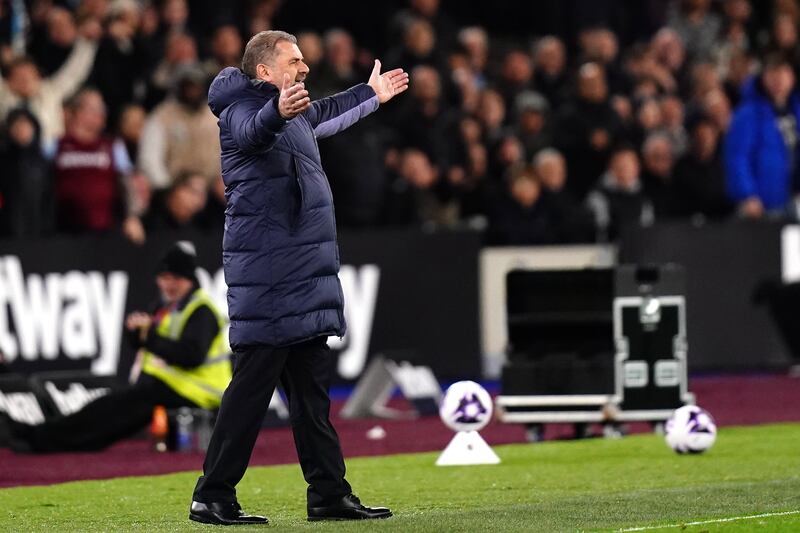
{"x": 546, "y": 153}
{"x": 261, "y": 49}
{"x": 653, "y": 138}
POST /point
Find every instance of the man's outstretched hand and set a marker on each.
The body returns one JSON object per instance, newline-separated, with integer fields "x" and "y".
{"x": 388, "y": 84}
{"x": 293, "y": 99}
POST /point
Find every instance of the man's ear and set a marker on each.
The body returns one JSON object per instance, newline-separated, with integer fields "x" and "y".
{"x": 263, "y": 72}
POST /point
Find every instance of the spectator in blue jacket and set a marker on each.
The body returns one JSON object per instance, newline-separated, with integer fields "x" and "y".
{"x": 281, "y": 261}
{"x": 761, "y": 148}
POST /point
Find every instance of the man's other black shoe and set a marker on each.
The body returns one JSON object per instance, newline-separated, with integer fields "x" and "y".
{"x": 223, "y": 514}
{"x": 348, "y": 508}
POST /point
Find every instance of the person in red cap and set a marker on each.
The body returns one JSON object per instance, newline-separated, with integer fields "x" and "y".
{"x": 183, "y": 360}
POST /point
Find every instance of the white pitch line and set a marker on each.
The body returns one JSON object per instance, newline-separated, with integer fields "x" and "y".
{"x": 717, "y": 521}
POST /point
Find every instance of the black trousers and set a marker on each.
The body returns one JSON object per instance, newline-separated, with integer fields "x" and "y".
{"x": 304, "y": 372}
{"x": 104, "y": 421}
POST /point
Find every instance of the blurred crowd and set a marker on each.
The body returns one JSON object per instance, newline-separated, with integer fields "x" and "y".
{"x": 539, "y": 139}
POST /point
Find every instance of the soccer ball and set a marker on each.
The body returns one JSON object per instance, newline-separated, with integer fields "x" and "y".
{"x": 466, "y": 407}
{"x": 690, "y": 429}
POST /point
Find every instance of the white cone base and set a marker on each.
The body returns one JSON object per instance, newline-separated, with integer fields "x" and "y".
{"x": 467, "y": 448}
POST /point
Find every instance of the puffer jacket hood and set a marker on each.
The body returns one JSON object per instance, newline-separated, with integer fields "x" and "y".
{"x": 231, "y": 84}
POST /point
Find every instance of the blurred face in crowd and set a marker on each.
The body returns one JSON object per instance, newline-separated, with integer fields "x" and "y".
{"x": 22, "y": 131}
{"x": 696, "y": 5}
{"x": 622, "y": 105}
{"x": 131, "y": 123}
{"x": 181, "y": 49}
{"x": 227, "y": 45}
{"x": 672, "y": 111}
{"x": 140, "y": 191}
{"x": 61, "y": 27}
{"x": 172, "y": 287}
{"x": 704, "y": 140}
{"x": 737, "y": 10}
{"x": 417, "y": 169}
{"x": 624, "y": 167}
{"x": 93, "y": 8}
{"x": 426, "y": 8}
{"x": 339, "y": 49}
{"x": 24, "y": 79}
{"x": 657, "y": 156}
{"x": 592, "y": 83}
{"x": 705, "y": 78}
{"x": 125, "y": 23}
{"x": 525, "y": 189}
{"x": 425, "y": 84}
{"x": 778, "y": 81}
{"x": 531, "y": 122}
{"x": 668, "y": 49}
{"x": 646, "y": 89}
{"x": 517, "y": 67}
{"x": 287, "y": 59}
{"x": 419, "y": 38}
{"x": 718, "y": 107}
{"x": 89, "y": 116}
{"x": 551, "y": 56}
{"x": 491, "y": 109}
{"x": 192, "y": 94}
{"x": 786, "y": 7}
{"x": 599, "y": 45}
{"x": 551, "y": 169}
{"x": 310, "y": 44}
{"x": 649, "y": 115}
{"x": 470, "y": 129}
{"x": 740, "y": 67}
{"x": 188, "y": 198}
{"x": 476, "y": 42}
{"x": 175, "y": 12}
{"x": 510, "y": 151}
{"x": 478, "y": 160}
{"x": 784, "y": 32}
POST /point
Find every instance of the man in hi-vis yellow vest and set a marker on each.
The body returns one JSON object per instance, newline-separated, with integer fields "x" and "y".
{"x": 184, "y": 358}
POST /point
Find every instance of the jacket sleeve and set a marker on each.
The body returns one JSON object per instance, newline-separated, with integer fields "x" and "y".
{"x": 739, "y": 147}
{"x": 191, "y": 348}
{"x": 338, "y": 112}
{"x": 255, "y": 129}
{"x": 153, "y": 153}
{"x": 74, "y": 71}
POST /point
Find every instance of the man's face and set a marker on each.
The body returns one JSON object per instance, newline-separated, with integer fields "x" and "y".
{"x": 779, "y": 82}
{"x": 172, "y": 287}
{"x": 24, "y": 80}
{"x": 658, "y": 158}
{"x": 426, "y": 86}
{"x": 552, "y": 172}
{"x": 22, "y": 131}
{"x": 91, "y": 115}
{"x": 227, "y": 43}
{"x": 192, "y": 94}
{"x": 287, "y": 60}
{"x": 188, "y": 199}
{"x": 625, "y": 168}
{"x": 592, "y": 84}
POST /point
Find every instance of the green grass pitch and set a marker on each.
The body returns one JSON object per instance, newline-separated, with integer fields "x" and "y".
{"x": 590, "y": 485}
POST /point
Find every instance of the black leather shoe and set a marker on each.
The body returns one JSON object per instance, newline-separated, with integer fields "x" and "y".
{"x": 348, "y": 508}
{"x": 223, "y": 514}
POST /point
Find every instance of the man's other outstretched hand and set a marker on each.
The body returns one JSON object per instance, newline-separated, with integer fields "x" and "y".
{"x": 293, "y": 99}
{"x": 388, "y": 84}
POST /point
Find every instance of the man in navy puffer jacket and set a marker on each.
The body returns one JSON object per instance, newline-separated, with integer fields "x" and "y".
{"x": 281, "y": 263}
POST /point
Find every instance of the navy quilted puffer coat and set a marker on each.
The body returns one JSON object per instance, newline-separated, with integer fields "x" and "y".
{"x": 280, "y": 256}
